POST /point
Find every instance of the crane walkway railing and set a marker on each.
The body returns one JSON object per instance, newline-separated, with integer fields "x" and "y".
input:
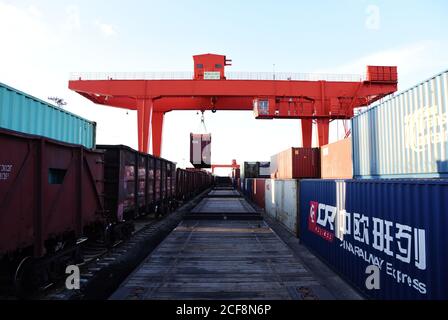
{"x": 284, "y": 76}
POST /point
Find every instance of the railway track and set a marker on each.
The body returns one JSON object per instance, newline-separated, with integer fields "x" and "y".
{"x": 222, "y": 249}
{"x": 217, "y": 246}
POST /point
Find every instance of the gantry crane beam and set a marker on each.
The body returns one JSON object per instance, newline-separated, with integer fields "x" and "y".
{"x": 210, "y": 90}
{"x": 232, "y": 166}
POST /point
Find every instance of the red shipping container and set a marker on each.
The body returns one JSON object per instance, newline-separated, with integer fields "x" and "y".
{"x": 258, "y": 191}
{"x": 296, "y": 163}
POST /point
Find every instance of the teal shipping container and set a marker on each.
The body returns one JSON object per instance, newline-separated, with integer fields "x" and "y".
{"x": 24, "y": 113}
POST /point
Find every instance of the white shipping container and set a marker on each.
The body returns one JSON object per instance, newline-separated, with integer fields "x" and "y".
{"x": 281, "y": 202}
{"x": 265, "y": 169}
{"x": 269, "y": 197}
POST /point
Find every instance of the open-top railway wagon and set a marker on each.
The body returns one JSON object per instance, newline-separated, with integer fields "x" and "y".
{"x": 55, "y": 196}
{"x": 50, "y": 201}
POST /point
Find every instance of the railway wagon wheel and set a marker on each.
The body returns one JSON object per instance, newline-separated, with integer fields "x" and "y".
{"x": 24, "y": 282}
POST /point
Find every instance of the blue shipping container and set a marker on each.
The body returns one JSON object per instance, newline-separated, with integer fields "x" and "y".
{"x": 405, "y": 136}
{"x": 248, "y": 186}
{"x": 399, "y": 226}
{"x": 27, "y": 114}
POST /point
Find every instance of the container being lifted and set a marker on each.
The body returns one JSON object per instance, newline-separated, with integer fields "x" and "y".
{"x": 200, "y": 150}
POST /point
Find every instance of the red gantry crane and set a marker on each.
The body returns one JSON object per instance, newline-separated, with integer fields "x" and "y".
{"x": 234, "y": 166}
{"x": 269, "y": 95}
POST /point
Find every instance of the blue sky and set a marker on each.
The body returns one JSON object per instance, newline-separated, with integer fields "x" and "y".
{"x": 43, "y": 41}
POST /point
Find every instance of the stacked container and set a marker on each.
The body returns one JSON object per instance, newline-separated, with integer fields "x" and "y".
{"x": 387, "y": 219}
{"x": 336, "y": 160}
{"x": 396, "y": 225}
{"x": 405, "y": 136}
{"x": 296, "y": 163}
{"x": 281, "y": 202}
{"x": 256, "y": 169}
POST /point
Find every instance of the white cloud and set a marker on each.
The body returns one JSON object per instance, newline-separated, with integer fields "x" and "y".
{"x": 106, "y": 29}
{"x": 27, "y": 39}
{"x": 20, "y": 24}
{"x": 373, "y": 19}
{"x": 34, "y": 11}
{"x": 73, "y": 20}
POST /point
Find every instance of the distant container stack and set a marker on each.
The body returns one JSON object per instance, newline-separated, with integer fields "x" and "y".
{"x": 405, "y": 136}
{"x": 200, "y": 150}
{"x": 24, "y": 113}
{"x": 251, "y": 170}
{"x": 336, "y": 160}
{"x": 296, "y": 163}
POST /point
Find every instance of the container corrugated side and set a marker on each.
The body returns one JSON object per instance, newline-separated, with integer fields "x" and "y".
{"x": 264, "y": 170}
{"x": 249, "y": 170}
{"x": 200, "y": 150}
{"x": 296, "y": 163}
{"x": 27, "y": 114}
{"x": 281, "y": 202}
{"x": 258, "y": 192}
{"x": 397, "y": 225}
{"x": 269, "y": 198}
{"x": 286, "y": 203}
{"x": 405, "y": 136}
{"x": 336, "y": 160}
{"x": 248, "y": 188}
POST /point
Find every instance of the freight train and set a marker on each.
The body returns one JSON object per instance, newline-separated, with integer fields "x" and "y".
{"x": 56, "y": 196}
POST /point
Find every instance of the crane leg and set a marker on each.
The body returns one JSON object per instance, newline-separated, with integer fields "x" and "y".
{"x": 144, "y": 113}
{"x": 323, "y": 130}
{"x": 307, "y": 130}
{"x": 157, "y": 128}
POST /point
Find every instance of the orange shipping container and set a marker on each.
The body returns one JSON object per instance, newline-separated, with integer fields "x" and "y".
{"x": 336, "y": 160}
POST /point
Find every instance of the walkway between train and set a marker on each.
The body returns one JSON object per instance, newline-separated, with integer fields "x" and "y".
{"x": 234, "y": 255}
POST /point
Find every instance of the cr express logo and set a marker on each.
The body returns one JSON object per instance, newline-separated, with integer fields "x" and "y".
{"x": 403, "y": 242}
{"x": 322, "y": 217}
